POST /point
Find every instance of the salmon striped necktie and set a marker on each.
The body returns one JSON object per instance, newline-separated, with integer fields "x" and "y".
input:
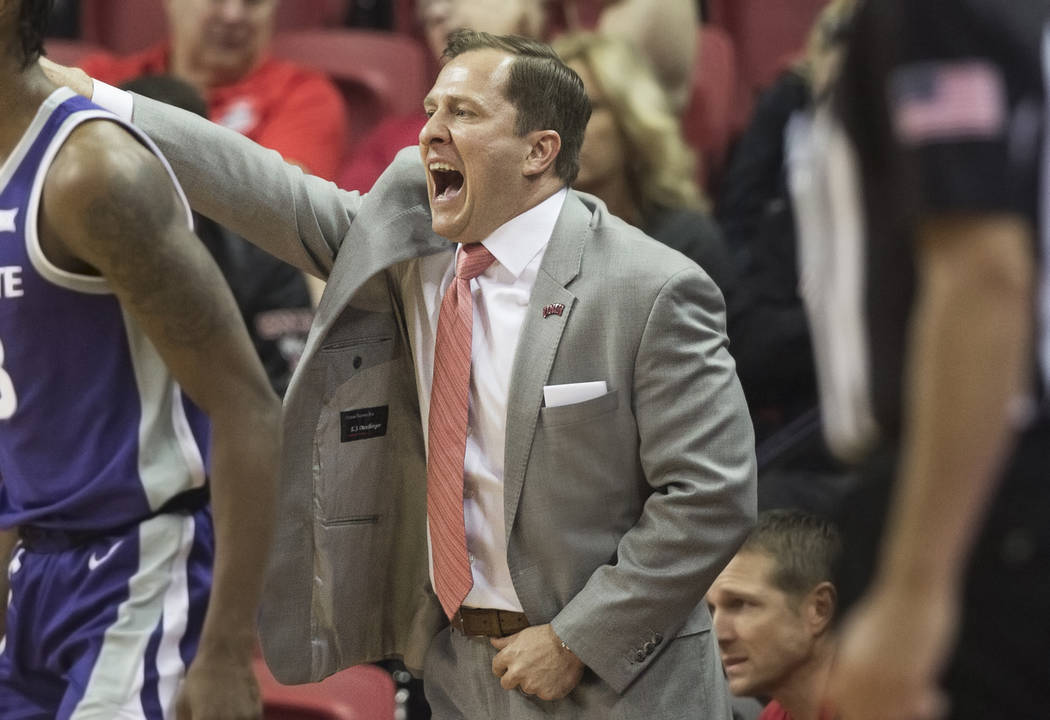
{"x": 447, "y": 431}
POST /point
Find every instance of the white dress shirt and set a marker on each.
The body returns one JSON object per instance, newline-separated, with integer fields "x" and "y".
{"x": 501, "y": 298}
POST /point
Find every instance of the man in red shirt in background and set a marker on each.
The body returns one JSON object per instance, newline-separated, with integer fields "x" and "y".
{"x": 220, "y": 47}
{"x": 772, "y": 609}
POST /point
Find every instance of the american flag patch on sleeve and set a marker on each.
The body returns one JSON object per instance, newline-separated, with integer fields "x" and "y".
{"x": 942, "y": 101}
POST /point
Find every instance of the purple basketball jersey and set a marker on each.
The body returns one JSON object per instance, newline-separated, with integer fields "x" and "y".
{"x": 94, "y": 431}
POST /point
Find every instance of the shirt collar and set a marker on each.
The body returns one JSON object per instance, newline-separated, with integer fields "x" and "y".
{"x": 516, "y": 242}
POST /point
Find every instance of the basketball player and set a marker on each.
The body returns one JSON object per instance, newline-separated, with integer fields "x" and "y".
{"x": 117, "y": 338}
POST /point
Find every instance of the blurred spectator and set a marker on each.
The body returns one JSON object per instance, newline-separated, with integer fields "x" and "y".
{"x": 499, "y": 17}
{"x": 667, "y": 36}
{"x": 664, "y": 32}
{"x": 220, "y": 48}
{"x": 271, "y": 295}
{"x": 772, "y": 608}
{"x": 633, "y": 155}
{"x": 755, "y": 212}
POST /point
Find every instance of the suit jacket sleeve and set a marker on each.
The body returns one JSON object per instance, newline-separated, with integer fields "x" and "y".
{"x": 299, "y": 218}
{"x": 697, "y": 453}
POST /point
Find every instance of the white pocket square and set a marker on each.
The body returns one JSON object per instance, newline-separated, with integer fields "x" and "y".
{"x": 555, "y": 395}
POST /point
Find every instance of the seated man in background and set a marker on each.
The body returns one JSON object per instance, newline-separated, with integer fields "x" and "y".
{"x": 772, "y": 608}
{"x": 220, "y": 48}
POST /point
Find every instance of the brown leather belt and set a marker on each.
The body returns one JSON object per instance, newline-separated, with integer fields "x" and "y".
{"x": 488, "y": 623}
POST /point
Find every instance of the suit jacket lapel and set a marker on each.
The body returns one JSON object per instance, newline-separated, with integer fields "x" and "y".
{"x": 538, "y": 344}
{"x": 394, "y": 226}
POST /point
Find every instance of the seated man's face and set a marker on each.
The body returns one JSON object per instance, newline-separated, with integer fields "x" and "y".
{"x": 762, "y": 635}
{"x": 498, "y": 17}
{"x": 221, "y": 38}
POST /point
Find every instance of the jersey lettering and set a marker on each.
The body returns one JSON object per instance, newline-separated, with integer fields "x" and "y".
{"x": 11, "y": 282}
{"x": 8, "y": 400}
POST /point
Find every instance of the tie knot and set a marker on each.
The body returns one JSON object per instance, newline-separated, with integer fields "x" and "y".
{"x": 472, "y": 260}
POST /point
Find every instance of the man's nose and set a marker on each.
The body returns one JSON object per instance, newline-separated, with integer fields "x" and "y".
{"x": 433, "y": 131}
{"x": 722, "y": 626}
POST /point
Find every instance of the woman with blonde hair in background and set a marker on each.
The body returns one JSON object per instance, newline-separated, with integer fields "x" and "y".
{"x": 634, "y": 157}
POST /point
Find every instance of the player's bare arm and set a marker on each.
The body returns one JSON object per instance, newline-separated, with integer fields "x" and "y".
{"x": 969, "y": 357}
{"x": 110, "y": 207}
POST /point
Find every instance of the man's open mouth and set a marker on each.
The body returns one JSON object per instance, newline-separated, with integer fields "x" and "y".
{"x": 447, "y": 180}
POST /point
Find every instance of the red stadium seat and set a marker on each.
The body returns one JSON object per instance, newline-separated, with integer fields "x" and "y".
{"x": 302, "y": 14}
{"x": 124, "y": 26}
{"x": 406, "y": 20}
{"x": 765, "y": 32}
{"x": 716, "y": 111}
{"x": 364, "y": 692}
{"x": 379, "y": 73}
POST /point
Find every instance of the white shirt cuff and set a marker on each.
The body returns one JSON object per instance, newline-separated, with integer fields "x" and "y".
{"x": 117, "y": 101}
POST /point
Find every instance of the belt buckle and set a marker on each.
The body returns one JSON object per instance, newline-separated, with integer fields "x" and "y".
{"x": 461, "y": 623}
{"x": 456, "y": 621}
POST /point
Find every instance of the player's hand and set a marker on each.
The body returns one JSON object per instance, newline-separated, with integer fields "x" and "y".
{"x": 219, "y": 689}
{"x": 890, "y": 656}
{"x": 73, "y": 78}
{"x": 535, "y": 661}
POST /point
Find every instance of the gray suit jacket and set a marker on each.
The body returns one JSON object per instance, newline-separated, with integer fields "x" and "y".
{"x": 620, "y": 511}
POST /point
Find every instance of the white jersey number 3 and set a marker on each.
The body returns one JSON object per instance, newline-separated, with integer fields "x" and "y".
{"x": 8, "y": 400}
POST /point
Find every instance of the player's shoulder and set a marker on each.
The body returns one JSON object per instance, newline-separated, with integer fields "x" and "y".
{"x": 100, "y": 157}
{"x": 100, "y": 174}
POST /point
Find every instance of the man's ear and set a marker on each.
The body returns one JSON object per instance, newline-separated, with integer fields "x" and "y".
{"x": 543, "y": 149}
{"x": 820, "y": 607}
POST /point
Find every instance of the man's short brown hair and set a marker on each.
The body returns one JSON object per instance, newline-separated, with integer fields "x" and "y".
{"x": 804, "y": 547}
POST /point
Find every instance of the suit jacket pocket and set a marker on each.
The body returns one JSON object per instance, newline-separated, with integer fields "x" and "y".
{"x": 352, "y": 436}
{"x": 581, "y": 411}
{"x": 343, "y": 360}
